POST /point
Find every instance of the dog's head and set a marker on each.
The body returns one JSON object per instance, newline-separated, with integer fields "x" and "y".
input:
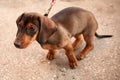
{"x": 28, "y": 28}
{"x": 31, "y": 27}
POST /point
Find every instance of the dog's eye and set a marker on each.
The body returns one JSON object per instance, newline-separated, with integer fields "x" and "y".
{"x": 31, "y": 31}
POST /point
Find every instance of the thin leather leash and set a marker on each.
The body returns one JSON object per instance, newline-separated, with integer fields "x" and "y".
{"x": 51, "y": 5}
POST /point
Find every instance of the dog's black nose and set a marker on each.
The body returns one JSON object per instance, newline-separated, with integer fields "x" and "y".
{"x": 17, "y": 44}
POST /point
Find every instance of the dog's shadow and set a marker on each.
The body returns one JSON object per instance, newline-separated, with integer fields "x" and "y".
{"x": 79, "y": 48}
{"x": 61, "y": 59}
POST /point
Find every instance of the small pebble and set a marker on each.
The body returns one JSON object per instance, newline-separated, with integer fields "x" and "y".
{"x": 63, "y": 74}
{"x": 63, "y": 70}
{"x": 48, "y": 62}
{"x": 55, "y": 76}
{"x": 45, "y": 61}
{"x": 73, "y": 77}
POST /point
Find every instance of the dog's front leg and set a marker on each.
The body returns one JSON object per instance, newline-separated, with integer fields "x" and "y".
{"x": 71, "y": 57}
{"x": 51, "y": 54}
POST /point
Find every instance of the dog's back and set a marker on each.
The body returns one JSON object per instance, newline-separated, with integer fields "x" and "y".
{"x": 74, "y": 19}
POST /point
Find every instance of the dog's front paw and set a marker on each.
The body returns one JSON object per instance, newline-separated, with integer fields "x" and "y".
{"x": 50, "y": 56}
{"x": 73, "y": 64}
{"x": 80, "y": 56}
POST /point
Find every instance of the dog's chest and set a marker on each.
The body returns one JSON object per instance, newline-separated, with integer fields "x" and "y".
{"x": 51, "y": 44}
{"x": 57, "y": 40}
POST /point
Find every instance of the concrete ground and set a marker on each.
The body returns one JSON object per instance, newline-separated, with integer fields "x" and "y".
{"x": 102, "y": 63}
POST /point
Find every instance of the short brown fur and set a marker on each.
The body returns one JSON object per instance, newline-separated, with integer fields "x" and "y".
{"x": 55, "y": 32}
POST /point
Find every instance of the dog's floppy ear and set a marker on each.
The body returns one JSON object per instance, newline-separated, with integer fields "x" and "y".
{"x": 19, "y": 18}
{"x": 46, "y": 28}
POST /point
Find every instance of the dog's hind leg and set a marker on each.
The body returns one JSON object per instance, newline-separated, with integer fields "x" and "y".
{"x": 89, "y": 39}
{"x": 78, "y": 41}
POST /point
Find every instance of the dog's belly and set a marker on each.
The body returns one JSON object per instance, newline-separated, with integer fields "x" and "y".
{"x": 50, "y": 46}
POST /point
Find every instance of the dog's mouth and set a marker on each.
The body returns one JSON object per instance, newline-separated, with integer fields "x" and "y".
{"x": 24, "y": 41}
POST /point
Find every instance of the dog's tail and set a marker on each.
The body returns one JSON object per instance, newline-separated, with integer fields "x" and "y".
{"x": 102, "y": 36}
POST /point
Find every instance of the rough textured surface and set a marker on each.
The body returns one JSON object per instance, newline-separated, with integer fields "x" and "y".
{"x": 103, "y": 63}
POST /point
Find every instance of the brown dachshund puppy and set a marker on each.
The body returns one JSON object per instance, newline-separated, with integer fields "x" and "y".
{"x": 56, "y": 32}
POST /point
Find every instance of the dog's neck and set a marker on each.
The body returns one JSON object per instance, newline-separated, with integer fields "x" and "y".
{"x": 48, "y": 22}
{"x": 48, "y": 28}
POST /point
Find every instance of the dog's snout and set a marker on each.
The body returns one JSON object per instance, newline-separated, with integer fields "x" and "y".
{"x": 17, "y": 44}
